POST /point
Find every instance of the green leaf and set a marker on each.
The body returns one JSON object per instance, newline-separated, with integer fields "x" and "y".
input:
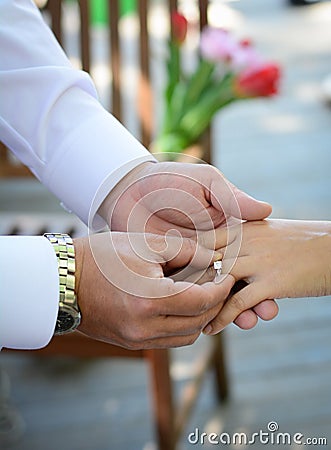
{"x": 174, "y": 110}
{"x": 198, "y": 118}
{"x": 199, "y": 81}
{"x": 173, "y": 69}
{"x": 170, "y": 143}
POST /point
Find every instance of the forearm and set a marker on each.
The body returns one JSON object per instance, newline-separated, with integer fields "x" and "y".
{"x": 321, "y": 264}
{"x": 297, "y": 255}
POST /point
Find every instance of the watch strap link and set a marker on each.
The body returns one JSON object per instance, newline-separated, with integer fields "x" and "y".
{"x": 65, "y": 252}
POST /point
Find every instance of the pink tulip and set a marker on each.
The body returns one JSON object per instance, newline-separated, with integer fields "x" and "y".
{"x": 217, "y": 45}
{"x": 245, "y": 57}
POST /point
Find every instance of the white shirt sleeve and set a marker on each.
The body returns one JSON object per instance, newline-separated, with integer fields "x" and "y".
{"x": 51, "y": 119}
{"x": 29, "y": 291}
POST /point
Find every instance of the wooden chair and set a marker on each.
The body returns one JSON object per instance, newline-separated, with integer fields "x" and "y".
{"x": 9, "y": 166}
{"x": 170, "y": 414}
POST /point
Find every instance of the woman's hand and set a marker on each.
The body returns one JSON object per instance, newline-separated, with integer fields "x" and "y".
{"x": 278, "y": 259}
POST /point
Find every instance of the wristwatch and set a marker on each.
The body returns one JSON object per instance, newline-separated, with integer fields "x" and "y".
{"x": 69, "y": 316}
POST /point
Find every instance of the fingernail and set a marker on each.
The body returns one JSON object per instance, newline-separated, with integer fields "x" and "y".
{"x": 217, "y": 256}
{"x": 208, "y": 329}
{"x": 219, "y": 278}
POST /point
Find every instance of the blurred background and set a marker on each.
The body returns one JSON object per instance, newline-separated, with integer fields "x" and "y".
{"x": 278, "y": 150}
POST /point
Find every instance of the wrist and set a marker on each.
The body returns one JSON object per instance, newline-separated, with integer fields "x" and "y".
{"x": 79, "y": 256}
{"x": 327, "y": 263}
{"x": 318, "y": 258}
{"x": 109, "y": 206}
{"x": 68, "y": 317}
{"x": 87, "y": 273}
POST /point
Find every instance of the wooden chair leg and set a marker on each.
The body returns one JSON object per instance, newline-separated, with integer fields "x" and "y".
{"x": 219, "y": 366}
{"x": 163, "y": 408}
{"x": 55, "y": 9}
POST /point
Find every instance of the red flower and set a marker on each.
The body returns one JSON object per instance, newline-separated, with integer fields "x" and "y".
{"x": 261, "y": 81}
{"x": 179, "y": 27}
{"x": 245, "y": 43}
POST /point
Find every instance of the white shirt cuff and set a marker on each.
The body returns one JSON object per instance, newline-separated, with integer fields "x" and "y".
{"x": 86, "y": 168}
{"x": 29, "y": 292}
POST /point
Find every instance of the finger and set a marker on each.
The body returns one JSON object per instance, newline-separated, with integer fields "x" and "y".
{"x": 186, "y": 299}
{"x": 167, "y": 326}
{"x": 246, "y": 320}
{"x": 172, "y": 330}
{"x": 164, "y": 342}
{"x": 190, "y": 255}
{"x": 241, "y": 301}
{"x": 267, "y": 310}
{"x": 219, "y": 238}
{"x": 250, "y": 208}
{"x": 235, "y": 266}
{"x": 198, "y": 277}
{"x": 203, "y": 260}
{"x": 240, "y": 267}
{"x": 227, "y": 198}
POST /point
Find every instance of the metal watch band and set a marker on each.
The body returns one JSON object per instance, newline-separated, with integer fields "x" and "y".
{"x": 65, "y": 252}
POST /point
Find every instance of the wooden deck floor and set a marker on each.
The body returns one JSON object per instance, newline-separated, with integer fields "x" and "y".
{"x": 280, "y": 371}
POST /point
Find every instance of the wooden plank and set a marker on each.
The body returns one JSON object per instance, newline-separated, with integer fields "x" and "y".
{"x": 145, "y": 95}
{"x": 76, "y": 344}
{"x": 85, "y": 43}
{"x": 115, "y": 58}
{"x": 163, "y": 408}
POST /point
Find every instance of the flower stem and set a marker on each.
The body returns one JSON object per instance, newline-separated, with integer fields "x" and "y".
{"x": 173, "y": 71}
{"x": 198, "y": 82}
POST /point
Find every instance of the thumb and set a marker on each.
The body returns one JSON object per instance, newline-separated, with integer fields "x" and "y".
{"x": 241, "y": 301}
{"x": 250, "y": 208}
{"x": 232, "y": 201}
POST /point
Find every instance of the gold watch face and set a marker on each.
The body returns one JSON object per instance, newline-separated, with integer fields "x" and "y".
{"x": 68, "y": 320}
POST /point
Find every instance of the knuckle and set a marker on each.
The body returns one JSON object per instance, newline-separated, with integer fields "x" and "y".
{"x": 135, "y": 336}
{"x": 156, "y": 242}
{"x": 192, "y": 245}
{"x": 144, "y": 308}
{"x": 219, "y": 324}
{"x": 210, "y": 273}
{"x": 132, "y": 346}
{"x": 134, "y": 331}
{"x": 238, "y": 302}
{"x": 200, "y": 323}
{"x": 191, "y": 339}
{"x": 203, "y": 305}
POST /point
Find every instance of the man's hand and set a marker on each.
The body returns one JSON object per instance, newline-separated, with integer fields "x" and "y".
{"x": 188, "y": 198}
{"x": 185, "y": 199}
{"x": 126, "y": 299}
